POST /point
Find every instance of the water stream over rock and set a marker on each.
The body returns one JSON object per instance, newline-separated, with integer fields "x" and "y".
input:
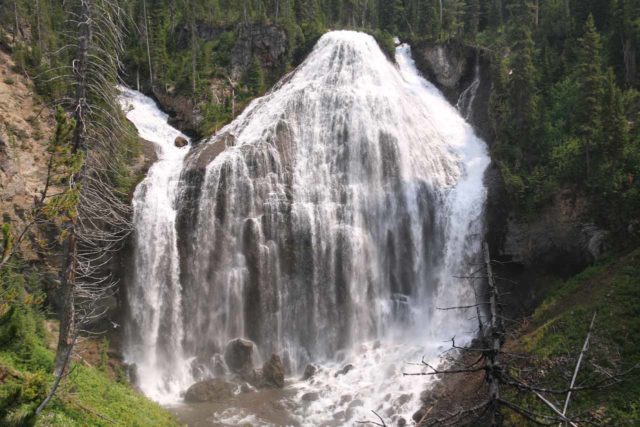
{"x": 326, "y": 224}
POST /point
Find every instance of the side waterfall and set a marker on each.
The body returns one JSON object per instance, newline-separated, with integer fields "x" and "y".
{"x": 154, "y": 332}
{"x": 326, "y": 223}
{"x": 468, "y": 96}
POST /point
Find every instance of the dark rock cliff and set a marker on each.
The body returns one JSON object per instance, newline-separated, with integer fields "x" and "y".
{"x": 267, "y": 43}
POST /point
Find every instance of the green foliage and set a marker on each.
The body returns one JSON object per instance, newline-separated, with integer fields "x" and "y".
{"x": 254, "y": 78}
{"x": 560, "y": 325}
{"x": 87, "y": 396}
{"x": 104, "y": 357}
{"x": 64, "y": 163}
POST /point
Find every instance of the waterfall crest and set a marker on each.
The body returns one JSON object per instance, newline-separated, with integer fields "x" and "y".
{"x": 333, "y": 213}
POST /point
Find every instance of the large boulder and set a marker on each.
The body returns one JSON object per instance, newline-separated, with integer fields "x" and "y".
{"x": 212, "y": 390}
{"x": 239, "y": 356}
{"x": 273, "y": 372}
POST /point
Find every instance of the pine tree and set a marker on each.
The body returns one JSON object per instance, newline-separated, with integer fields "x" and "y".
{"x": 615, "y": 124}
{"x": 472, "y": 18}
{"x": 522, "y": 89}
{"x": 588, "y": 113}
{"x": 494, "y": 13}
{"x": 390, "y": 13}
{"x": 254, "y": 78}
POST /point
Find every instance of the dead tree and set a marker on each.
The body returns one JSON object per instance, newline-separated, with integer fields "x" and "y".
{"x": 97, "y": 216}
{"x": 489, "y": 357}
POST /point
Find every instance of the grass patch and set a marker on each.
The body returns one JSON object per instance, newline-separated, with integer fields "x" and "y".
{"x": 559, "y": 327}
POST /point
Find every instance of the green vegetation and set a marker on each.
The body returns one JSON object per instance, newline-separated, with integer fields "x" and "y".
{"x": 559, "y": 327}
{"x": 88, "y": 396}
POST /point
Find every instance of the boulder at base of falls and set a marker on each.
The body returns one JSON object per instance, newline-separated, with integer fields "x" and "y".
{"x": 344, "y": 370}
{"x": 181, "y": 142}
{"x": 419, "y": 414}
{"x": 239, "y": 356}
{"x": 273, "y": 372}
{"x": 310, "y": 397}
{"x": 212, "y": 390}
{"x": 309, "y": 371}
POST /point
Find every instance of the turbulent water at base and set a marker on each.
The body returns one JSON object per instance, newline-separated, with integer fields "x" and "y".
{"x": 326, "y": 223}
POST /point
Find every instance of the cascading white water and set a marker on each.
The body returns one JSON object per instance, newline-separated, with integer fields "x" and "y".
{"x": 468, "y": 96}
{"x": 154, "y": 333}
{"x": 326, "y": 223}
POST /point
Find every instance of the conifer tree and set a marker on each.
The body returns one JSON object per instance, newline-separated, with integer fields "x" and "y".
{"x": 472, "y": 18}
{"x": 615, "y": 124}
{"x": 254, "y": 78}
{"x": 588, "y": 113}
{"x": 522, "y": 98}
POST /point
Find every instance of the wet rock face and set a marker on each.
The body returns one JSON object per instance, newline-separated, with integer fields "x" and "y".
{"x": 239, "y": 356}
{"x": 212, "y": 390}
{"x": 447, "y": 64}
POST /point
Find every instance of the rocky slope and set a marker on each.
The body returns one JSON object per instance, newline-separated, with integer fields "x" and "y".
{"x": 25, "y": 127}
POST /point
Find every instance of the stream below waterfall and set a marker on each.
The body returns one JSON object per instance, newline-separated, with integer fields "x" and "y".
{"x": 327, "y": 224}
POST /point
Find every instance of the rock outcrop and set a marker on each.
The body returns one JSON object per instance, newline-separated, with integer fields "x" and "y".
{"x": 184, "y": 114}
{"x": 25, "y": 128}
{"x": 239, "y": 356}
{"x": 309, "y": 371}
{"x": 273, "y": 372}
{"x": 556, "y": 241}
{"x": 267, "y": 43}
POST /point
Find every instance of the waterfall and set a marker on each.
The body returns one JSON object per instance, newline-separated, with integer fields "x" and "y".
{"x": 326, "y": 223}
{"x": 468, "y": 96}
{"x": 154, "y": 333}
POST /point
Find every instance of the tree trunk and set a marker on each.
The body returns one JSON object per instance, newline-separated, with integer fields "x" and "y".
{"x": 194, "y": 74}
{"x": 629, "y": 56}
{"x": 38, "y": 24}
{"x": 16, "y": 24}
{"x": 67, "y": 320}
{"x": 146, "y": 36}
{"x": 493, "y": 366}
{"x": 70, "y": 259}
